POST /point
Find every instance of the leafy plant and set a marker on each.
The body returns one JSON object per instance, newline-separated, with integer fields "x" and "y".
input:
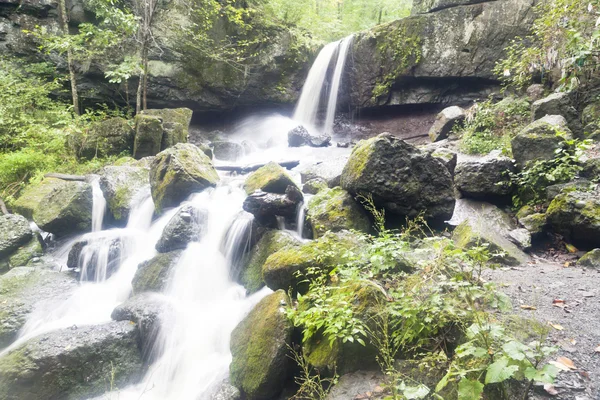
{"x": 311, "y": 386}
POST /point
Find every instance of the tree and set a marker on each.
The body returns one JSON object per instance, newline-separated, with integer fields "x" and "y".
{"x": 64, "y": 18}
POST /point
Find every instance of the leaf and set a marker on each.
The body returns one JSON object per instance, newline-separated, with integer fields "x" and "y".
{"x": 531, "y": 308}
{"x": 550, "y": 389}
{"x": 558, "y": 327}
{"x": 500, "y": 371}
{"x": 515, "y": 350}
{"x": 415, "y": 392}
{"x": 566, "y": 362}
{"x": 597, "y": 349}
{"x": 469, "y": 389}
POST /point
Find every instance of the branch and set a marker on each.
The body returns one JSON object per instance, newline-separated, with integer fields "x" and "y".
{"x": 3, "y": 208}
{"x": 243, "y": 169}
{"x": 65, "y": 177}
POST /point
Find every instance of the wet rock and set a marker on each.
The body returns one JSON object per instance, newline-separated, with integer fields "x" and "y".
{"x": 576, "y": 216}
{"x": 271, "y": 178}
{"x": 173, "y": 133}
{"x": 228, "y": 151}
{"x": 148, "y": 136}
{"x": 355, "y": 384}
{"x": 299, "y": 136}
{"x": 445, "y": 121}
{"x": 590, "y": 260}
{"x": 106, "y": 138}
{"x": 66, "y": 209}
{"x": 259, "y": 347}
{"x": 335, "y": 210}
{"x": 225, "y": 391}
{"x": 176, "y": 116}
{"x": 188, "y": 225}
{"x": 329, "y": 170}
{"x": 591, "y": 121}
{"x": 72, "y": 363}
{"x": 270, "y": 243}
{"x": 25, "y": 254}
{"x": 14, "y": 233}
{"x": 87, "y": 256}
{"x": 591, "y": 169}
{"x": 485, "y": 178}
{"x": 448, "y": 157}
{"x": 554, "y": 190}
{"x": 178, "y": 172}
{"x": 24, "y": 290}
{"x": 559, "y": 104}
{"x": 314, "y": 186}
{"x": 120, "y": 185}
{"x": 153, "y": 275}
{"x": 540, "y": 140}
{"x": 266, "y": 207}
{"x": 401, "y": 178}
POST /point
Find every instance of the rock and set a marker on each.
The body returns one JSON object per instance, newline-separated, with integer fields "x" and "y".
{"x": 24, "y": 290}
{"x": 228, "y": 151}
{"x": 25, "y": 254}
{"x": 146, "y": 310}
{"x": 87, "y": 255}
{"x": 591, "y": 121}
{"x": 266, "y": 207}
{"x": 485, "y": 178}
{"x": 106, "y": 138}
{"x": 66, "y": 209}
{"x": 179, "y": 116}
{"x": 401, "y": 178}
{"x": 14, "y": 233}
{"x": 355, "y": 384}
{"x": 576, "y": 216}
{"x": 445, "y": 121}
{"x": 187, "y": 225}
{"x": 270, "y": 243}
{"x": 52, "y": 366}
{"x": 33, "y": 194}
{"x": 521, "y": 237}
{"x": 259, "y": 348}
{"x": 178, "y": 172}
{"x": 336, "y": 210}
{"x": 299, "y": 136}
{"x": 271, "y": 178}
{"x": 590, "y": 260}
{"x": 173, "y": 133}
{"x": 314, "y": 186}
{"x": 478, "y": 222}
{"x": 559, "y": 104}
{"x": 539, "y": 140}
{"x": 120, "y": 185}
{"x": 534, "y": 223}
{"x": 448, "y": 157}
{"x": 429, "y": 6}
{"x": 148, "y": 136}
{"x": 153, "y": 275}
{"x": 329, "y": 170}
{"x": 554, "y": 190}
{"x": 591, "y": 169}
{"x": 536, "y": 92}
{"x": 225, "y": 391}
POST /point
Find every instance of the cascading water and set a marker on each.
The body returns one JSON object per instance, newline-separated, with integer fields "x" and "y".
{"x": 99, "y": 206}
{"x": 335, "y": 84}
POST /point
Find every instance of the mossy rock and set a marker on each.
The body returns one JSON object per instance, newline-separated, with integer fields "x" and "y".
{"x": 66, "y": 209}
{"x": 314, "y": 186}
{"x": 525, "y": 211}
{"x": 153, "y": 275}
{"x": 181, "y": 116}
{"x": 591, "y": 169}
{"x": 24, "y": 254}
{"x": 270, "y": 243}
{"x": 148, "y": 136}
{"x": 335, "y": 210}
{"x": 32, "y": 195}
{"x": 259, "y": 348}
{"x": 590, "y": 260}
{"x": 271, "y": 178}
{"x": 173, "y": 133}
{"x": 72, "y": 363}
{"x": 576, "y": 216}
{"x": 111, "y": 137}
{"x": 178, "y": 172}
{"x": 14, "y": 233}
{"x": 534, "y": 223}
{"x": 540, "y": 140}
{"x": 120, "y": 184}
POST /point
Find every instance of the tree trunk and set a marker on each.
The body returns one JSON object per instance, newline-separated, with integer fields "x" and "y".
{"x": 70, "y": 62}
{"x": 145, "y": 100}
{"x": 3, "y": 208}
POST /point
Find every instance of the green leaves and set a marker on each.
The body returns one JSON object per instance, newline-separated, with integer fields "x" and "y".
{"x": 470, "y": 389}
{"x": 500, "y": 371}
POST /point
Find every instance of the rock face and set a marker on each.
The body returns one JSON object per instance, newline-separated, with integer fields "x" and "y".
{"x": 271, "y": 178}
{"x": 266, "y": 207}
{"x": 576, "y": 215}
{"x": 120, "y": 185}
{"x": 445, "y": 55}
{"x": 188, "y": 225}
{"x": 335, "y": 210}
{"x": 175, "y": 116}
{"x": 153, "y": 275}
{"x": 328, "y": 170}
{"x": 485, "y": 178}
{"x": 445, "y": 121}
{"x": 178, "y": 172}
{"x": 14, "y": 233}
{"x": 106, "y": 138}
{"x": 148, "y": 136}
{"x": 539, "y": 140}
{"x": 72, "y": 363}
{"x": 86, "y": 256}
{"x": 559, "y": 104}
{"x": 259, "y": 348}
{"x": 299, "y": 136}
{"x": 403, "y": 179}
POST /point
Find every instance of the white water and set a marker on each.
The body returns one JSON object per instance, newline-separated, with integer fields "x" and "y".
{"x": 335, "y": 84}
{"x": 99, "y": 206}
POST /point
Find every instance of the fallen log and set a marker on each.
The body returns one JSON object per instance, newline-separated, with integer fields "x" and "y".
{"x": 244, "y": 169}
{"x": 65, "y": 177}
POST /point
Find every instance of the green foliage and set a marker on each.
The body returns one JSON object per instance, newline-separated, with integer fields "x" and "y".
{"x": 310, "y": 383}
{"x": 531, "y": 183}
{"x": 490, "y": 126}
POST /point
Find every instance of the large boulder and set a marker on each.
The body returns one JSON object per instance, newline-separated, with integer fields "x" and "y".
{"x": 153, "y": 275}
{"x": 540, "y": 140}
{"x": 187, "y": 225}
{"x": 65, "y": 210}
{"x": 174, "y": 117}
{"x": 591, "y": 169}
{"x": 74, "y": 363}
{"x": 33, "y": 194}
{"x": 267, "y": 207}
{"x": 271, "y": 178}
{"x": 227, "y": 151}
{"x": 14, "y": 233}
{"x": 576, "y": 216}
{"x": 428, "y": 6}
{"x": 445, "y": 121}
{"x": 335, "y": 210}
{"x": 27, "y": 254}
{"x": 590, "y": 260}
{"x": 178, "y": 172}
{"x": 120, "y": 185}
{"x": 259, "y": 347}
{"x": 559, "y": 104}
{"x": 299, "y": 136}
{"x": 106, "y": 138}
{"x": 24, "y": 290}
{"x": 148, "y": 136}
{"x": 401, "y": 178}
{"x": 329, "y": 170}
{"x": 96, "y": 259}
{"x": 485, "y": 178}
{"x": 590, "y": 119}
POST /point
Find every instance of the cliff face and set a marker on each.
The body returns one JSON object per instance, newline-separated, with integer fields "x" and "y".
{"x": 444, "y": 53}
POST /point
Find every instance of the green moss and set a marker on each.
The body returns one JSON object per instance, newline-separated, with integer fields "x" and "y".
{"x": 335, "y": 210}
{"x": 119, "y": 202}
{"x": 590, "y": 260}
{"x": 33, "y": 194}
{"x": 153, "y": 275}
{"x": 271, "y": 178}
{"x": 181, "y": 116}
{"x": 25, "y": 253}
{"x": 359, "y": 160}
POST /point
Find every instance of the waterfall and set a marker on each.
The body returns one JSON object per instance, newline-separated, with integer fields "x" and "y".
{"x": 99, "y": 205}
{"x": 335, "y": 84}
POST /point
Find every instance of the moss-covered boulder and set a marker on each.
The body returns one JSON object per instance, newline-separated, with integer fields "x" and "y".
{"x": 534, "y": 223}
{"x": 267, "y": 207}
{"x": 66, "y": 209}
{"x": 559, "y": 104}
{"x": 270, "y": 243}
{"x": 27, "y": 253}
{"x": 335, "y": 210}
{"x": 590, "y": 260}
{"x": 591, "y": 169}
{"x": 485, "y": 178}
{"x": 590, "y": 119}
{"x": 14, "y": 233}
{"x": 120, "y": 185}
{"x": 73, "y": 363}
{"x": 448, "y": 157}
{"x": 279, "y": 270}
{"x": 540, "y": 140}
{"x": 445, "y": 121}
{"x": 271, "y": 178}
{"x": 148, "y": 136}
{"x": 401, "y": 178}
{"x": 153, "y": 275}
{"x": 314, "y": 186}
{"x": 111, "y": 137}
{"x": 576, "y": 216}
{"x": 178, "y": 172}
{"x": 181, "y": 116}
{"x": 32, "y": 195}
{"x": 187, "y": 225}
{"x": 259, "y": 347}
